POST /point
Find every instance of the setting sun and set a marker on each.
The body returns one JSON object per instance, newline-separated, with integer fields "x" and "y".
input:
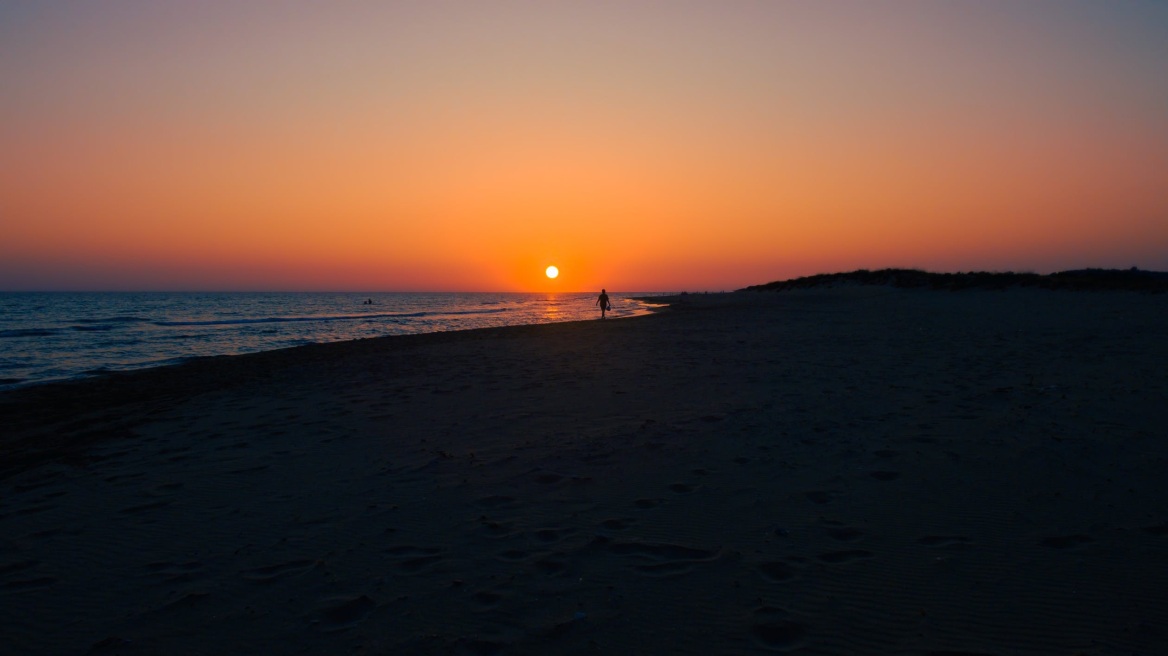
{"x": 460, "y": 145}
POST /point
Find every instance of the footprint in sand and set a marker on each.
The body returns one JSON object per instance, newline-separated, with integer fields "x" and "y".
{"x": 249, "y": 470}
{"x": 495, "y": 501}
{"x": 845, "y": 533}
{"x": 844, "y": 556}
{"x": 658, "y": 558}
{"x": 17, "y": 566}
{"x": 665, "y": 569}
{"x": 175, "y": 572}
{"x": 341, "y": 613}
{"x": 188, "y": 600}
{"x": 819, "y": 496}
{"x": 661, "y": 551}
{"x": 956, "y": 653}
{"x": 513, "y": 555}
{"x": 497, "y": 529}
{"x": 110, "y": 645}
{"x": 885, "y": 475}
{"x": 29, "y": 584}
{"x": 415, "y": 565}
{"x": 486, "y": 598}
{"x": 1065, "y": 541}
{"x": 779, "y": 635}
{"x": 43, "y": 481}
{"x": 477, "y": 647}
{"x": 123, "y": 478}
{"x": 144, "y": 507}
{"x": 414, "y": 559}
{"x": 551, "y": 566}
{"x": 273, "y": 572}
{"x": 617, "y": 524}
{"x": 772, "y": 629}
{"x": 407, "y": 550}
{"x": 646, "y": 504}
{"x": 682, "y": 488}
{"x": 943, "y": 541}
{"x": 777, "y": 571}
{"x": 36, "y": 510}
{"x": 549, "y": 535}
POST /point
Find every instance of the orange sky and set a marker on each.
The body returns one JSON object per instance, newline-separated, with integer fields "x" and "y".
{"x": 636, "y": 146}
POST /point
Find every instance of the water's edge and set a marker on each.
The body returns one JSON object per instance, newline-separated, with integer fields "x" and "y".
{"x": 46, "y": 338}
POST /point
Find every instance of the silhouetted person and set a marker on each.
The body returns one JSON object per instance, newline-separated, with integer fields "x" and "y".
{"x": 602, "y": 301}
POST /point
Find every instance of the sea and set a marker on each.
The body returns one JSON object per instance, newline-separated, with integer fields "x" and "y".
{"x": 55, "y": 336}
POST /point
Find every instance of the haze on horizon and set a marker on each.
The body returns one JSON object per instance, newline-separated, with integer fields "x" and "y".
{"x": 466, "y": 146}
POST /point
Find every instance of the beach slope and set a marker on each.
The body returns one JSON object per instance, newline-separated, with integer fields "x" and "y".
{"x": 820, "y": 471}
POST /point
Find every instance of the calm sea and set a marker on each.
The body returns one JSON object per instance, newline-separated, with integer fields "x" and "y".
{"x": 56, "y": 336}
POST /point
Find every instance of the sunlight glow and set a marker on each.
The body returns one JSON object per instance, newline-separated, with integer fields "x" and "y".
{"x": 462, "y": 145}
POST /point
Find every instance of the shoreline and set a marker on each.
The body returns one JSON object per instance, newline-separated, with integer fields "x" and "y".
{"x": 91, "y": 334}
{"x": 847, "y": 470}
{"x": 200, "y": 374}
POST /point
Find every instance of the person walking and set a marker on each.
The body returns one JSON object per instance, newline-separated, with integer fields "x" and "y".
{"x": 602, "y": 301}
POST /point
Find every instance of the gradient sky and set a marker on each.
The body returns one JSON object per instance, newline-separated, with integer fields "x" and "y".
{"x": 222, "y": 145}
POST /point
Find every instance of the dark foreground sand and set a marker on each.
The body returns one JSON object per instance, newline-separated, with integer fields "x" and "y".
{"x": 846, "y": 471}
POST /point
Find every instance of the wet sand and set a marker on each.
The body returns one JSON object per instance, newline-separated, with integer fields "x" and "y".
{"x": 858, "y": 470}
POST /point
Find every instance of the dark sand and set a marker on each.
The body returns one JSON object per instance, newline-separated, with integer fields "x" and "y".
{"x": 834, "y": 471}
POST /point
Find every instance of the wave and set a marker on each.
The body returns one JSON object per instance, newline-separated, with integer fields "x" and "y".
{"x": 339, "y": 317}
{"x": 99, "y": 328}
{"x": 28, "y": 332}
{"x": 130, "y": 341}
{"x": 114, "y": 319}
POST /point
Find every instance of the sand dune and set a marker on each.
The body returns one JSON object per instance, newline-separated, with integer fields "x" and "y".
{"x": 844, "y": 471}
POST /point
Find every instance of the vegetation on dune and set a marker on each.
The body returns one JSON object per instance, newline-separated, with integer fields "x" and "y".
{"x": 1080, "y": 279}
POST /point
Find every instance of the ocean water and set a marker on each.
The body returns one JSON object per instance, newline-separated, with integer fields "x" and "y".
{"x": 57, "y": 336}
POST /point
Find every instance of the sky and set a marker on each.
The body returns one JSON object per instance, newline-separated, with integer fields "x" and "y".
{"x": 636, "y": 145}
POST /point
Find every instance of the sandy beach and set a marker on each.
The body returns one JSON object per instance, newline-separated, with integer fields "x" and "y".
{"x": 856, "y": 470}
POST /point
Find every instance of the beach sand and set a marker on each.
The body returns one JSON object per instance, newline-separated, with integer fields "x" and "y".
{"x": 857, "y": 470}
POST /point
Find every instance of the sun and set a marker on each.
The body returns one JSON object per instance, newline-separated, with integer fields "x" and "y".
{"x": 552, "y": 272}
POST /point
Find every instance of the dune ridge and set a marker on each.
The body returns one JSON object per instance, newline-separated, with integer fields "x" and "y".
{"x": 1133, "y": 279}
